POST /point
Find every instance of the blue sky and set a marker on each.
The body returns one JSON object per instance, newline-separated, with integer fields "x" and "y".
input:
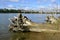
{"x": 29, "y": 4}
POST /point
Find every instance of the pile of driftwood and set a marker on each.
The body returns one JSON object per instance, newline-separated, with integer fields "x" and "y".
{"x": 51, "y": 19}
{"x": 19, "y": 23}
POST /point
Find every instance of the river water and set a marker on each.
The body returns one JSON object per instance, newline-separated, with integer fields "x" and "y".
{"x": 38, "y": 18}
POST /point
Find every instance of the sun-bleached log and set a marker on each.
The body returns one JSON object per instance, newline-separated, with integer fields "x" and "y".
{"x": 22, "y": 23}
{"x": 43, "y": 30}
{"x": 51, "y": 19}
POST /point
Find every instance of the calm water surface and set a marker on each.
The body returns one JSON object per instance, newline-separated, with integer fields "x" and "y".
{"x": 6, "y": 35}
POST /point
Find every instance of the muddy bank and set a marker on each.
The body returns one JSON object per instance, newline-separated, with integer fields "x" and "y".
{"x": 35, "y": 36}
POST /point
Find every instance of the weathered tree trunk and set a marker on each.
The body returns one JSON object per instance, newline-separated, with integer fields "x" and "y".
{"x": 20, "y": 21}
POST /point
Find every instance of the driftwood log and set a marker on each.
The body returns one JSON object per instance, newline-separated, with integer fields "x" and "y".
{"x": 19, "y": 23}
{"x": 51, "y": 19}
{"x": 22, "y": 23}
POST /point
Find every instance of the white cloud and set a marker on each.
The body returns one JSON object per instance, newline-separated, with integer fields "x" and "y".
{"x": 53, "y": 4}
{"x": 53, "y": 1}
{"x": 10, "y": 7}
{"x": 14, "y": 0}
{"x": 26, "y": 8}
{"x": 41, "y": 6}
{"x": 45, "y": 0}
{"x": 58, "y": 6}
{"x": 29, "y": 8}
{"x": 39, "y": 1}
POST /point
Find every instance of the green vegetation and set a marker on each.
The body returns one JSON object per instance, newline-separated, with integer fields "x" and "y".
{"x": 9, "y": 11}
{"x": 16, "y": 11}
{"x": 25, "y": 11}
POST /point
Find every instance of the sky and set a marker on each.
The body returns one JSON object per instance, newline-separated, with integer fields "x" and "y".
{"x": 29, "y": 4}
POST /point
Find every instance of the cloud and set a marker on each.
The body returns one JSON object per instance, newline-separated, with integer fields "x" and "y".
{"x": 41, "y": 6}
{"x": 26, "y": 8}
{"x": 29, "y": 8}
{"x": 53, "y": 1}
{"x": 53, "y": 6}
{"x": 58, "y": 6}
{"x": 44, "y": 1}
{"x": 14, "y": 0}
{"x": 39, "y": 1}
{"x": 10, "y": 6}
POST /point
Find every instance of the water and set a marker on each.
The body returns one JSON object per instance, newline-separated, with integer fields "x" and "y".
{"x": 6, "y": 35}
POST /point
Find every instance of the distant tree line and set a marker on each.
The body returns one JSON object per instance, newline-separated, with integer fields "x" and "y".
{"x": 16, "y": 11}
{"x": 24, "y": 11}
{"x": 9, "y": 11}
